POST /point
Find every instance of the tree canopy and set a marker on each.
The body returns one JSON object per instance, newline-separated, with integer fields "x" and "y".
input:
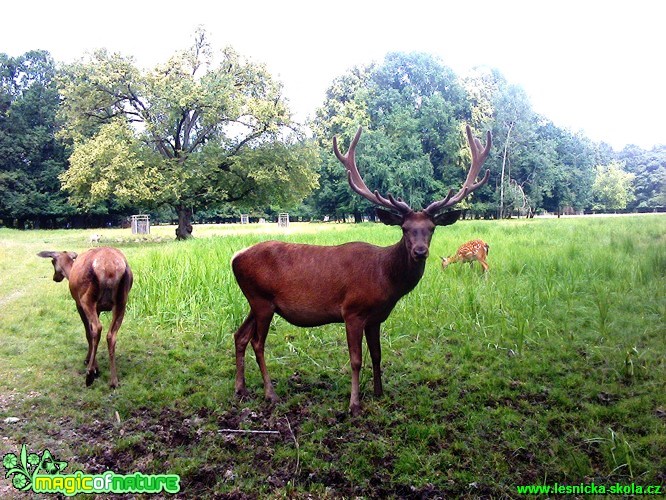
{"x": 30, "y": 157}
{"x": 191, "y": 134}
{"x": 210, "y": 133}
{"x": 612, "y": 188}
{"x": 414, "y": 109}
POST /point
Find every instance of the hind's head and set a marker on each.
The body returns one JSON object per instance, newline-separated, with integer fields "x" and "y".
{"x": 62, "y": 263}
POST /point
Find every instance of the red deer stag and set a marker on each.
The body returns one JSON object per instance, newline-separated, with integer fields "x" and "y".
{"x": 469, "y": 252}
{"x": 355, "y": 283}
{"x": 99, "y": 280}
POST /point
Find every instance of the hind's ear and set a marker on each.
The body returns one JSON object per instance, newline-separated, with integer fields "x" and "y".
{"x": 73, "y": 255}
{"x": 47, "y": 254}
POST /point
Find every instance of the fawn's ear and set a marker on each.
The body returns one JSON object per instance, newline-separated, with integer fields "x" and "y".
{"x": 389, "y": 218}
{"x": 447, "y": 218}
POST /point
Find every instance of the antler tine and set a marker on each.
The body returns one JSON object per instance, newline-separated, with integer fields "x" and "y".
{"x": 479, "y": 155}
{"x": 356, "y": 181}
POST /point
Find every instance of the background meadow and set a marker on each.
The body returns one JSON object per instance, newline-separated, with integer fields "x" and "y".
{"x": 549, "y": 369}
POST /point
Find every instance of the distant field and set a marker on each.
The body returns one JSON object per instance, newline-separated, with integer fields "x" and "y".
{"x": 550, "y": 369}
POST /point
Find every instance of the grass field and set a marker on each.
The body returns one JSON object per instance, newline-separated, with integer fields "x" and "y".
{"x": 551, "y": 368}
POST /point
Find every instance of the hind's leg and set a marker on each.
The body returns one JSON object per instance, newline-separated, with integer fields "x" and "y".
{"x": 86, "y": 325}
{"x": 95, "y": 330}
{"x": 118, "y": 315}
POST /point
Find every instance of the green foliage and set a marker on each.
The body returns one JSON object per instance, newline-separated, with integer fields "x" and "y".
{"x": 30, "y": 158}
{"x": 412, "y": 107}
{"x": 190, "y": 134}
{"x": 649, "y": 167}
{"x": 113, "y": 165}
{"x": 612, "y": 188}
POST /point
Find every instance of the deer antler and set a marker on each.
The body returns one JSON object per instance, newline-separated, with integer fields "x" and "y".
{"x": 479, "y": 155}
{"x": 357, "y": 184}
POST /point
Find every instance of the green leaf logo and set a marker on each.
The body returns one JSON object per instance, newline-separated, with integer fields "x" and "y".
{"x": 26, "y": 466}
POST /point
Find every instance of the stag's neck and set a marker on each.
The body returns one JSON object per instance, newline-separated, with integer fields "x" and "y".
{"x": 404, "y": 272}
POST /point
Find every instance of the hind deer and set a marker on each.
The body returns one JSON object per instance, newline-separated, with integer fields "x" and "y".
{"x": 469, "y": 252}
{"x": 99, "y": 280}
{"x": 356, "y": 283}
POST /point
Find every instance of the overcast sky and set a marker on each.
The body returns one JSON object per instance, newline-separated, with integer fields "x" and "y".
{"x": 588, "y": 65}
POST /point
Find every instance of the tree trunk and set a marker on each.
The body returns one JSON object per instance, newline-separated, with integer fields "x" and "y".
{"x": 504, "y": 159}
{"x": 184, "y": 229}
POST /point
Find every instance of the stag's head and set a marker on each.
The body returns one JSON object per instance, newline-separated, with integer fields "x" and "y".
{"x": 417, "y": 226}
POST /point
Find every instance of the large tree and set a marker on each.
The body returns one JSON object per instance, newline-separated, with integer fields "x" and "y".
{"x": 537, "y": 165}
{"x": 612, "y": 188}
{"x": 30, "y": 157}
{"x": 191, "y": 134}
{"x": 649, "y": 168}
{"x": 412, "y": 108}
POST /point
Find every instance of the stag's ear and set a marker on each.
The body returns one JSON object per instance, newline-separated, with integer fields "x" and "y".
{"x": 447, "y": 218}
{"x": 389, "y": 218}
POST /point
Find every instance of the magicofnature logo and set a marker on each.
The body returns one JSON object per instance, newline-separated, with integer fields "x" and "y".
{"x": 42, "y": 473}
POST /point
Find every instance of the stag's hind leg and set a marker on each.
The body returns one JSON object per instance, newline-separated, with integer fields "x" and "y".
{"x": 241, "y": 338}
{"x": 254, "y": 330}
{"x": 263, "y": 315}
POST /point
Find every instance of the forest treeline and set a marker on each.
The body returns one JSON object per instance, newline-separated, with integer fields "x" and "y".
{"x": 207, "y": 136}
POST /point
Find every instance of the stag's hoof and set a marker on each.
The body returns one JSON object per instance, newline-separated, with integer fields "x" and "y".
{"x": 242, "y": 393}
{"x": 355, "y": 410}
{"x": 272, "y": 399}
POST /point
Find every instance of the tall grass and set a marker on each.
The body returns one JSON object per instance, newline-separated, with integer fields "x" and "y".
{"x": 548, "y": 368}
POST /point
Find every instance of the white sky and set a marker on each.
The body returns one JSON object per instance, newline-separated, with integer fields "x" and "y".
{"x": 589, "y": 65}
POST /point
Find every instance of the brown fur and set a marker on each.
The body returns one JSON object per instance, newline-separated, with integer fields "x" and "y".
{"x": 356, "y": 283}
{"x": 99, "y": 280}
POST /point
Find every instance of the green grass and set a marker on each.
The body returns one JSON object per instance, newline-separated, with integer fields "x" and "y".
{"x": 549, "y": 369}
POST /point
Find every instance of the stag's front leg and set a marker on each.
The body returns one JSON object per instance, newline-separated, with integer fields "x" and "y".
{"x": 354, "y": 329}
{"x": 372, "y": 337}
